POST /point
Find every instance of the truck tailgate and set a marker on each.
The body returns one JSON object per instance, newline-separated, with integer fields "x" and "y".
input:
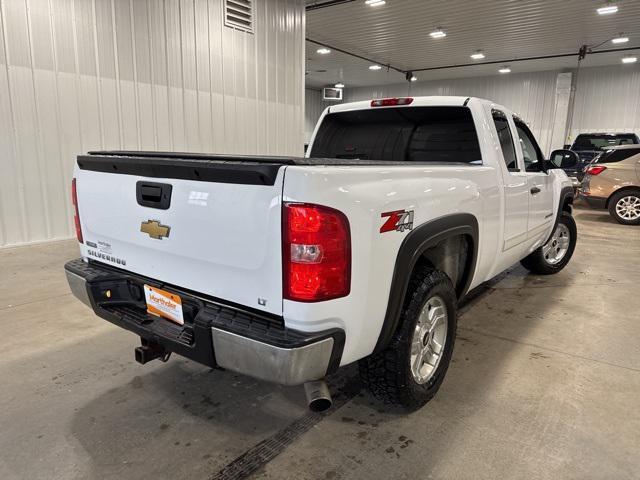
{"x": 218, "y": 233}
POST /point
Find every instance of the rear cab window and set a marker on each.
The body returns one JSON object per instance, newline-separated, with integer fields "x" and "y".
{"x": 400, "y": 134}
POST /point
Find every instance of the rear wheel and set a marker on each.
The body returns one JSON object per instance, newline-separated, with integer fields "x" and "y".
{"x": 625, "y": 207}
{"x": 556, "y": 253}
{"x": 411, "y": 369}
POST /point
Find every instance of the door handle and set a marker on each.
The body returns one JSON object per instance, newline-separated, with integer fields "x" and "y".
{"x": 534, "y": 190}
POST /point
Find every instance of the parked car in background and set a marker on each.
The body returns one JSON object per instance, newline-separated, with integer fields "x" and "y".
{"x": 612, "y": 181}
{"x": 589, "y": 145}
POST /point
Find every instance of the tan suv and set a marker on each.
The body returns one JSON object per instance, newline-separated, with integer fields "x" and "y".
{"x": 612, "y": 181}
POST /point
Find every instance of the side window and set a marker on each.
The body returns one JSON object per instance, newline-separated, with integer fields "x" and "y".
{"x": 506, "y": 140}
{"x": 532, "y": 155}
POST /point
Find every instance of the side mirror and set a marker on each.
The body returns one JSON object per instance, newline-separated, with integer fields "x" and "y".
{"x": 564, "y": 159}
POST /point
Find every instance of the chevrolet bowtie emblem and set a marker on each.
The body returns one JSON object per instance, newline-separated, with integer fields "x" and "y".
{"x": 155, "y": 229}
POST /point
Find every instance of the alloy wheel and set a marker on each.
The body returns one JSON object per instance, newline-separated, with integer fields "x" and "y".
{"x": 557, "y": 246}
{"x": 628, "y": 208}
{"x": 429, "y": 337}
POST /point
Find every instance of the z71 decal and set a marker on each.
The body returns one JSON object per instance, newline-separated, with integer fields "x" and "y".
{"x": 398, "y": 220}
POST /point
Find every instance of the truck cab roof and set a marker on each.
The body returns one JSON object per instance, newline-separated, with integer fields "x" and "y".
{"x": 607, "y": 134}
{"x": 431, "y": 101}
{"x": 416, "y": 101}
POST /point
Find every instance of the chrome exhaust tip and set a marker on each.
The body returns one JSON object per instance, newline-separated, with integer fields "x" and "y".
{"x": 318, "y": 396}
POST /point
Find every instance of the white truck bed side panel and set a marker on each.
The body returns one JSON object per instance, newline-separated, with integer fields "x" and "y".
{"x": 363, "y": 193}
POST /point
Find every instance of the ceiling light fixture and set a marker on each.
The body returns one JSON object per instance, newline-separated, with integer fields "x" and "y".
{"x": 413, "y": 78}
{"x": 505, "y": 69}
{"x": 438, "y": 33}
{"x": 629, "y": 59}
{"x": 339, "y": 85}
{"x": 478, "y": 55}
{"x": 620, "y": 39}
{"x": 374, "y": 3}
{"x": 607, "y": 9}
{"x": 375, "y": 67}
{"x": 323, "y": 51}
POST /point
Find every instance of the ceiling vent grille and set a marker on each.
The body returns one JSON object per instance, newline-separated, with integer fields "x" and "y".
{"x": 239, "y": 14}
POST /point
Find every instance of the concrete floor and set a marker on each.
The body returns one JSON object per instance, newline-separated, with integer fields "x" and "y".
{"x": 545, "y": 383}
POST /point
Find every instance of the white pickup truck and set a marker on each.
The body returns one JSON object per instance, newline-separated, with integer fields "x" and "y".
{"x": 285, "y": 269}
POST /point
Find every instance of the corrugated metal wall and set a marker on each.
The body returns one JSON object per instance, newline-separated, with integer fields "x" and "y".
{"x": 313, "y": 107}
{"x": 607, "y": 100}
{"x": 77, "y": 75}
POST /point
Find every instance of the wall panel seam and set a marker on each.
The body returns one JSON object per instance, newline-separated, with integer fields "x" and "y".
{"x": 15, "y": 144}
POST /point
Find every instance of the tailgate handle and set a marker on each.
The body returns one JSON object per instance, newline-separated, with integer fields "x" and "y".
{"x": 154, "y": 195}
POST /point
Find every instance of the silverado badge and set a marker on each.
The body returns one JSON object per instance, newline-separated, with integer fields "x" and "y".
{"x": 155, "y": 229}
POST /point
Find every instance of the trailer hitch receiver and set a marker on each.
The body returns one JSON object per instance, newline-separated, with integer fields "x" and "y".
{"x": 150, "y": 351}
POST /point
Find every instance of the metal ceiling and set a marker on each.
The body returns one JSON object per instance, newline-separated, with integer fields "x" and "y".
{"x": 397, "y": 34}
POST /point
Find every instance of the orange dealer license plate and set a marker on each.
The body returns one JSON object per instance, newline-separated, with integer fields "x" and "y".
{"x": 164, "y": 304}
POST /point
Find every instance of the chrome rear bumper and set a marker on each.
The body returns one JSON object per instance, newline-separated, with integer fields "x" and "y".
{"x": 286, "y": 366}
{"x": 214, "y": 334}
{"x": 78, "y": 286}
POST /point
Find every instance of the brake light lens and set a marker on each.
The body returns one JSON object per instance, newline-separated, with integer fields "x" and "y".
{"x": 76, "y": 213}
{"x": 316, "y": 253}
{"x": 596, "y": 169}
{"x": 391, "y": 102}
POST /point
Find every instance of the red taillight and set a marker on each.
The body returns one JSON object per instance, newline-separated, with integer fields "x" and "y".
{"x": 596, "y": 170}
{"x": 391, "y": 102}
{"x": 76, "y": 213}
{"x": 316, "y": 253}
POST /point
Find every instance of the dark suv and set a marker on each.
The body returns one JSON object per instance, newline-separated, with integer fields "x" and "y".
{"x": 589, "y": 145}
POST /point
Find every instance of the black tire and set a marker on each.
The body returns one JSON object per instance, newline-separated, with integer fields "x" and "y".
{"x": 387, "y": 374}
{"x": 613, "y": 201}
{"x": 536, "y": 261}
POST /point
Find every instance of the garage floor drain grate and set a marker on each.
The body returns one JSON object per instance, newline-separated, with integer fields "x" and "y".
{"x": 268, "y": 449}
